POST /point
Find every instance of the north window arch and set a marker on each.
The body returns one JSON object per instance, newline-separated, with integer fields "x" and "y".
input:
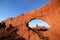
{"x": 33, "y": 23}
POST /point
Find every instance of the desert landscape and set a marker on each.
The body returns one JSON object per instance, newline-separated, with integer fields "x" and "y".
{"x": 16, "y": 28}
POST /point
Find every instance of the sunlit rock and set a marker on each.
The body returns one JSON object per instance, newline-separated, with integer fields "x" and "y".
{"x": 19, "y": 30}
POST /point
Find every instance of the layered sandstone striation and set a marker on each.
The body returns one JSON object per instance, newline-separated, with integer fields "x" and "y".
{"x": 17, "y": 28}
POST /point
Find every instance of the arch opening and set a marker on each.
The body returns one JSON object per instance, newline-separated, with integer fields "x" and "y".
{"x": 38, "y": 23}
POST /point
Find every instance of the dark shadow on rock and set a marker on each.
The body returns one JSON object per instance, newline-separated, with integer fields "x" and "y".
{"x": 43, "y": 30}
{"x": 9, "y": 33}
{"x": 3, "y": 25}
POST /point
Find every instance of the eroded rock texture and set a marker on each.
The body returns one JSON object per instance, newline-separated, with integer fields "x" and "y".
{"x": 17, "y": 28}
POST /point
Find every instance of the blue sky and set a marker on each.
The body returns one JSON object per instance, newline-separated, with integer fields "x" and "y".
{"x": 12, "y": 8}
{"x": 35, "y": 22}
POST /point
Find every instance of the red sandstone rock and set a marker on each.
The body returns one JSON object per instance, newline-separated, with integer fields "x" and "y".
{"x": 50, "y": 13}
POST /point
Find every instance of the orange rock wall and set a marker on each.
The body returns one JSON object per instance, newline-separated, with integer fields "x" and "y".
{"x": 50, "y": 13}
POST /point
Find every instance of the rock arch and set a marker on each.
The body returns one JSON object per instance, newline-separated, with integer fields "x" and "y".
{"x": 49, "y": 13}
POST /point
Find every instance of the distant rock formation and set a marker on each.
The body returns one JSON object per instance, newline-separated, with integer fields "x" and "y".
{"x": 17, "y": 28}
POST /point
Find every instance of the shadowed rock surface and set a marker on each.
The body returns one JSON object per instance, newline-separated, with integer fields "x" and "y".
{"x": 17, "y": 28}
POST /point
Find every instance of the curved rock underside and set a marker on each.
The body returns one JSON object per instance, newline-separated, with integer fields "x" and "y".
{"x": 17, "y": 28}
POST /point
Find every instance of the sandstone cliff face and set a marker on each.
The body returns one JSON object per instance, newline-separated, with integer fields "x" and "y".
{"x": 49, "y": 13}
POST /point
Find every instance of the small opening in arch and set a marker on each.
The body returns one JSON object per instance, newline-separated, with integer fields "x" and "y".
{"x": 40, "y": 23}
